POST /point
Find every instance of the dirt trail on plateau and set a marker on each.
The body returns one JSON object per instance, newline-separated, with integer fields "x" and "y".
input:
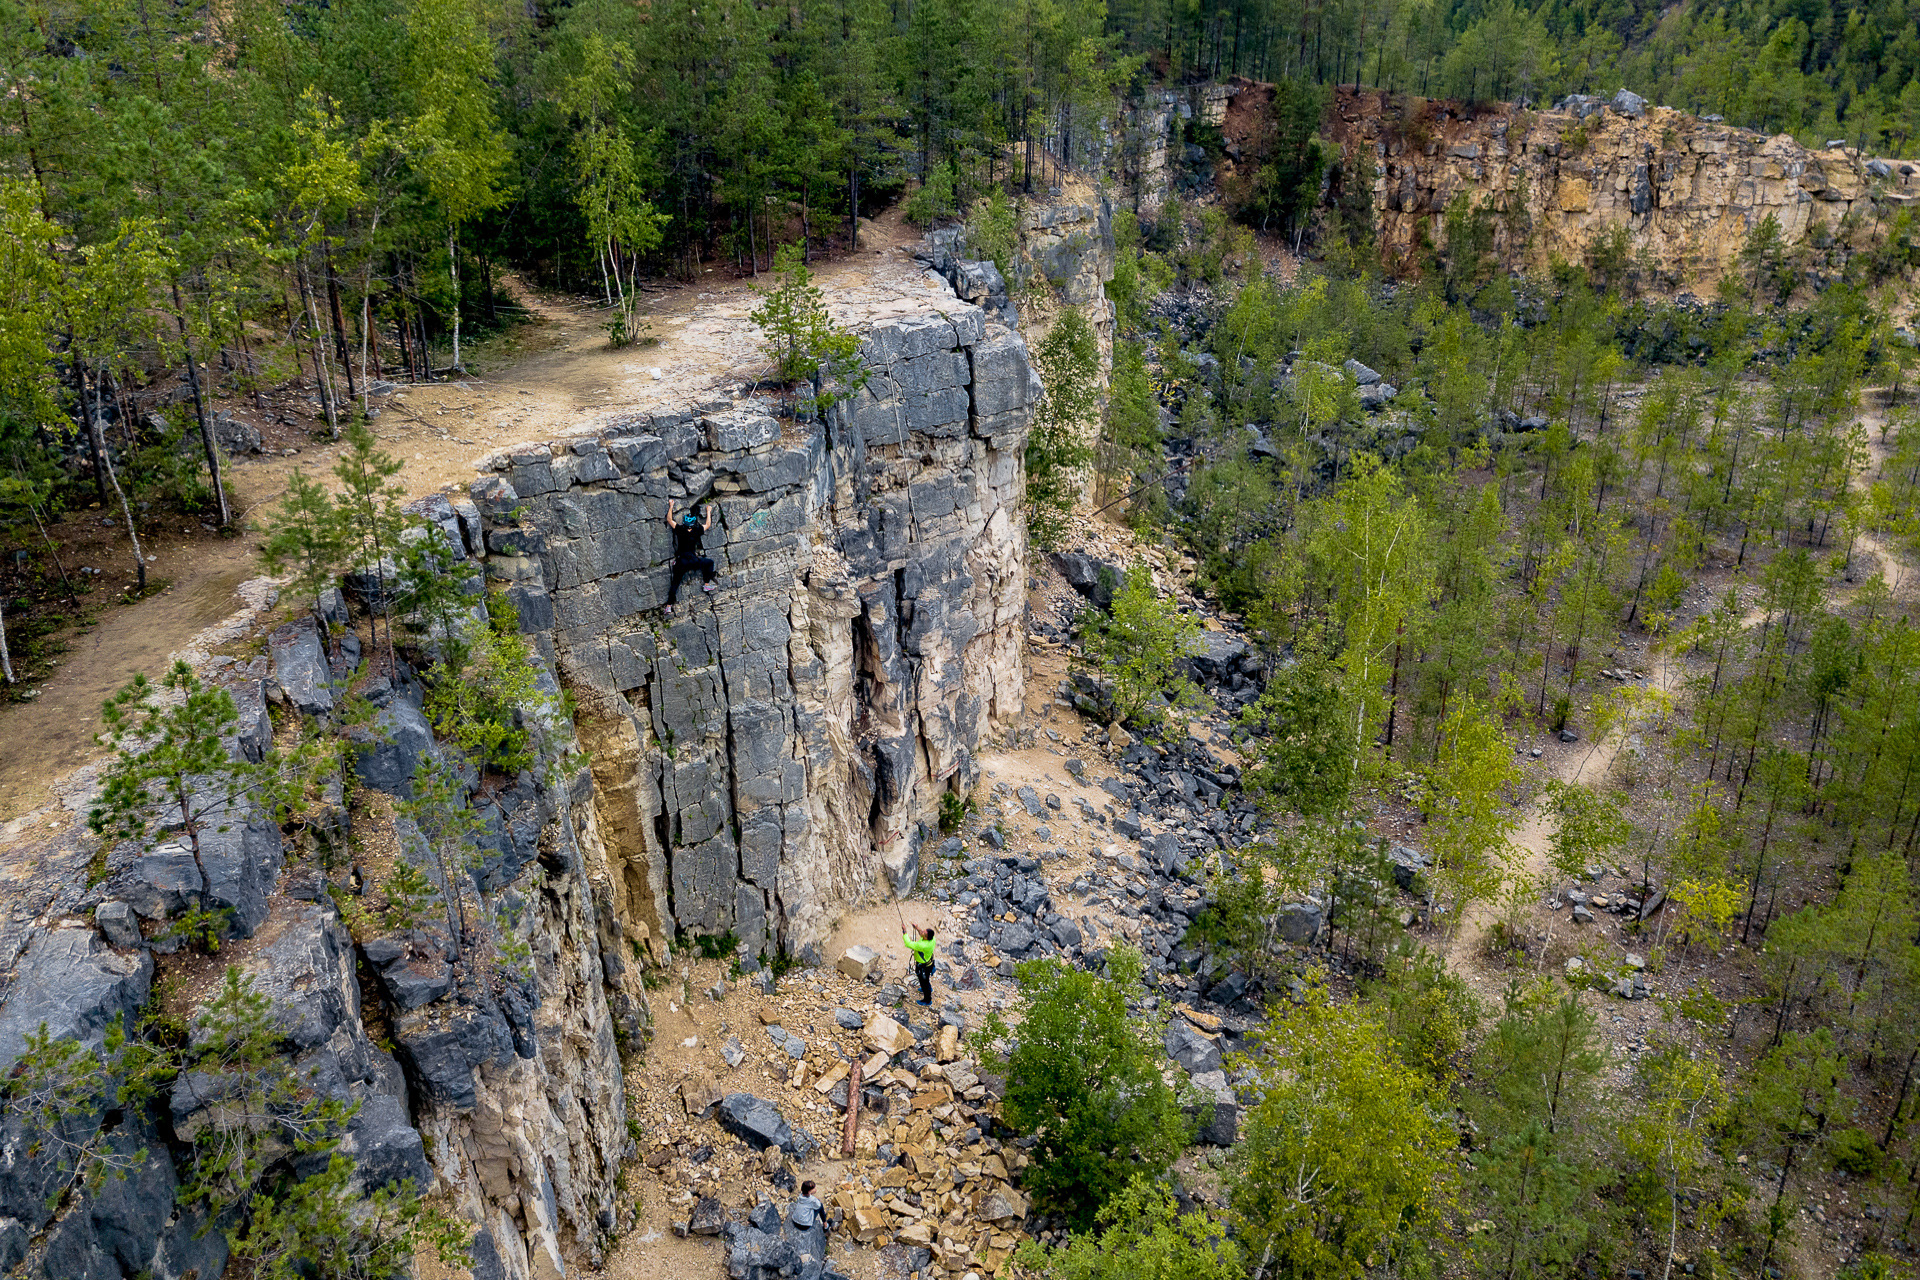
{"x": 551, "y": 376}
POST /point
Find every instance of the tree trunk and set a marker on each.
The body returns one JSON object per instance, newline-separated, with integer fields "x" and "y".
{"x": 342, "y": 352}
{"x": 453, "y": 273}
{"x": 200, "y": 411}
{"x": 106, "y": 463}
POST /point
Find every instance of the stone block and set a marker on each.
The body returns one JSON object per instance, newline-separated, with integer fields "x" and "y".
{"x": 118, "y": 924}
{"x": 858, "y": 961}
{"x": 884, "y": 1035}
{"x": 739, "y": 430}
{"x": 300, "y": 667}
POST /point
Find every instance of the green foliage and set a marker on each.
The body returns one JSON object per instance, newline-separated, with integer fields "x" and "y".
{"x": 200, "y": 928}
{"x": 1284, "y": 162}
{"x": 1084, "y": 1079}
{"x": 1141, "y": 645}
{"x": 492, "y": 706}
{"x": 1304, "y": 753}
{"x": 170, "y": 767}
{"x": 1855, "y": 1152}
{"x": 802, "y": 339}
{"x": 1142, "y": 1236}
{"x": 1345, "y": 1162}
{"x": 265, "y": 1108}
{"x": 1464, "y": 795}
{"x": 1589, "y": 826}
{"x": 993, "y": 232}
{"x": 409, "y": 896}
{"x": 1429, "y": 1013}
{"x": 954, "y": 810}
{"x": 321, "y": 1228}
{"x": 1062, "y": 425}
{"x": 306, "y": 541}
{"x": 58, "y": 1091}
{"x": 933, "y": 199}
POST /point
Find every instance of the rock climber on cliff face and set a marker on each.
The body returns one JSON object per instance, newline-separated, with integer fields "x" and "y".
{"x": 687, "y": 532}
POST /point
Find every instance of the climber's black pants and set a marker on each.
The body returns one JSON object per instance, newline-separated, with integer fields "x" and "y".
{"x": 681, "y": 568}
{"x": 924, "y": 972}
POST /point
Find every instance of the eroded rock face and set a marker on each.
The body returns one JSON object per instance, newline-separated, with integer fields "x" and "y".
{"x": 1689, "y": 192}
{"x": 774, "y": 751}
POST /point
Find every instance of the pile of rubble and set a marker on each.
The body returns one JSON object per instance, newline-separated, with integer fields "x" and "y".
{"x": 929, "y": 1178}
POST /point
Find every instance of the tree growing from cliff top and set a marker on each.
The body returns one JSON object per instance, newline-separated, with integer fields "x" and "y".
{"x": 305, "y": 538}
{"x": 250, "y": 1107}
{"x": 801, "y": 338}
{"x": 171, "y": 768}
{"x": 1084, "y": 1077}
{"x": 370, "y": 520}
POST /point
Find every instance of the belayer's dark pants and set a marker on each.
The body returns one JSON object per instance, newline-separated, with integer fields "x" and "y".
{"x": 924, "y": 972}
{"x": 681, "y": 568}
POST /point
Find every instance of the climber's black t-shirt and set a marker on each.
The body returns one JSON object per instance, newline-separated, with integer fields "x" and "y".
{"x": 686, "y": 541}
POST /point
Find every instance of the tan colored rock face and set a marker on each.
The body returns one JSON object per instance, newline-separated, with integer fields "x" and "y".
{"x": 1688, "y": 192}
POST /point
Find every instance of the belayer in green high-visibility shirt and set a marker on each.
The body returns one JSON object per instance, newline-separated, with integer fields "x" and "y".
{"x": 920, "y": 945}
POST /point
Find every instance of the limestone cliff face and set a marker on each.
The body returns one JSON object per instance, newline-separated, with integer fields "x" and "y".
{"x": 1688, "y": 191}
{"x": 777, "y": 750}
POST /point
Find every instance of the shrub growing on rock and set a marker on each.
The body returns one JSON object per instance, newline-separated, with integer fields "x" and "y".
{"x": 1142, "y": 646}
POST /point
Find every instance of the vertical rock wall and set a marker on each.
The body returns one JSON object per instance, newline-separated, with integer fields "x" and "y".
{"x": 776, "y": 750}
{"x": 1688, "y": 191}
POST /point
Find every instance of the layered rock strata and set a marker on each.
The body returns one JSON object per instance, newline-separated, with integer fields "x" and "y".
{"x": 776, "y": 750}
{"x": 1689, "y": 192}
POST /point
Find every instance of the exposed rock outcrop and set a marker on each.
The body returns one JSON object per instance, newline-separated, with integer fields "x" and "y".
{"x": 1688, "y": 191}
{"x": 776, "y": 750}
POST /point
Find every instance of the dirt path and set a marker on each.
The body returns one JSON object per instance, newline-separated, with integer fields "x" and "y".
{"x": 552, "y": 376}
{"x": 1582, "y": 762}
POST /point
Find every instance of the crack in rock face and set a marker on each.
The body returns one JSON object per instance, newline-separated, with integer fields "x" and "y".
{"x": 773, "y": 750}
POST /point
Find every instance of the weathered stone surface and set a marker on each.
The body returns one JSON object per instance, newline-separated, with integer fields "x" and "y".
{"x": 1689, "y": 191}
{"x": 1196, "y": 1052}
{"x": 755, "y": 1120}
{"x": 1218, "y": 1110}
{"x": 118, "y": 924}
{"x": 300, "y": 667}
{"x": 385, "y": 756}
{"x": 858, "y": 961}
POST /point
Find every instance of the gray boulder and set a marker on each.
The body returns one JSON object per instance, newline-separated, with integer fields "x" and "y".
{"x": 300, "y": 667}
{"x": 1216, "y": 1110}
{"x": 1095, "y": 579}
{"x": 78, "y": 986}
{"x": 1377, "y": 396}
{"x": 1629, "y": 104}
{"x": 1191, "y": 1049}
{"x": 386, "y": 755}
{"x": 1219, "y": 654}
{"x": 1361, "y": 373}
{"x": 755, "y": 1120}
{"x": 1407, "y": 863}
{"x": 118, "y": 924}
{"x": 1299, "y": 923}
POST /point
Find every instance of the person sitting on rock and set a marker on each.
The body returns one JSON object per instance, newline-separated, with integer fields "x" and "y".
{"x": 806, "y": 1210}
{"x": 687, "y": 532}
{"x": 920, "y": 945}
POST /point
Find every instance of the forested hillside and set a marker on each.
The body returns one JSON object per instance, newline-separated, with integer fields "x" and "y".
{"x": 1818, "y": 71}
